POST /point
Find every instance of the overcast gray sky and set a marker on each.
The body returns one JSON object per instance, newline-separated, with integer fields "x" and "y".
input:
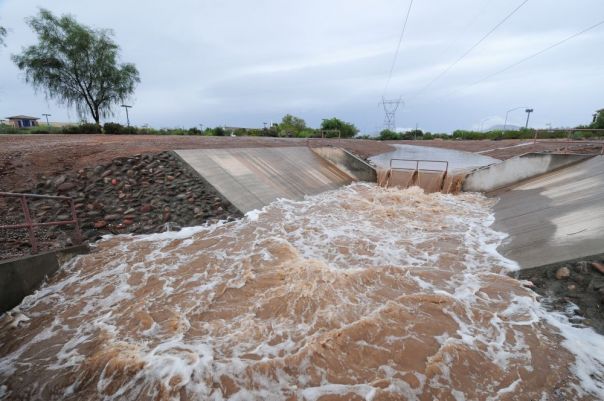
{"x": 242, "y": 62}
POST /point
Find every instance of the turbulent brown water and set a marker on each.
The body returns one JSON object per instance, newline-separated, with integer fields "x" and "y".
{"x": 359, "y": 293}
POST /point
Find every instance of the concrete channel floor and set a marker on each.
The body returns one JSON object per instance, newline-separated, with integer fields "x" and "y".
{"x": 555, "y": 217}
{"x": 251, "y": 178}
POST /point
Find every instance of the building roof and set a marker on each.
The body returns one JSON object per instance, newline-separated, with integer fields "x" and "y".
{"x": 22, "y": 117}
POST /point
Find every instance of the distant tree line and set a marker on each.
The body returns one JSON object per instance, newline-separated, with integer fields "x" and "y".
{"x": 580, "y": 132}
{"x": 289, "y": 127}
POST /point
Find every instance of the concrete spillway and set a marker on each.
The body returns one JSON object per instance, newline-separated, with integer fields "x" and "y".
{"x": 555, "y": 217}
{"x": 251, "y": 178}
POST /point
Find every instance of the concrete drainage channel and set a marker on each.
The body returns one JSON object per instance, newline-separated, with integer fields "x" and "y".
{"x": 261, "y": 174}
{"x": 547, "y": 197}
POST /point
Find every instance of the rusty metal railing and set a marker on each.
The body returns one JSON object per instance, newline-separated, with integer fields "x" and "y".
{"x": 31, "y": 225}
{"x": 417, "y": 165}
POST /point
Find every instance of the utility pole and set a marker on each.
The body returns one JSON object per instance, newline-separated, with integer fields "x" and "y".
{"x": 528, "y": 114}
{"x": 390, "y": 108}
{"x": 47, "y": 115}
{"x": 415, "y": 133}
{"x": 125, "y": 106}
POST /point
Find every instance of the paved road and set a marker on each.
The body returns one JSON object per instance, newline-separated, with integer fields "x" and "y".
{"x": 556, "y": 217}
{"x": 251, "y": 178}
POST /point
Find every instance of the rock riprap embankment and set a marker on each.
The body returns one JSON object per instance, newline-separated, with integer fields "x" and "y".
{"x": 575, "y": 288}
{"x": 140, "y": 194}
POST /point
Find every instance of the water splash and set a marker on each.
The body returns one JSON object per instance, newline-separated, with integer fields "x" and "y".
{"x": 359, "y": 293}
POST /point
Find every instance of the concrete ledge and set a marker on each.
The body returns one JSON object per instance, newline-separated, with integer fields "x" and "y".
{"x": 358, "y": 169}
{"x": 517, "y": 169}
{"x": 22, "y": 276}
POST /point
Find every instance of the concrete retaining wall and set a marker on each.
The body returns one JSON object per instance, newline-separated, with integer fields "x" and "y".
{"x": 21, "y": 277}
{"x": 517, "y": 169}
{"x": 347, "y": 162}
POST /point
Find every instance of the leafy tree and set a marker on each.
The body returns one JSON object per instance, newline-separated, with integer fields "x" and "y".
{"x": 291, "y": 125}
{"x": 388, "y": 135}
{"x": 347, "y": 130}
{"x": 76, "y": 65}
{"x": 416, "y": 133}
{"x": 599, "y": 122}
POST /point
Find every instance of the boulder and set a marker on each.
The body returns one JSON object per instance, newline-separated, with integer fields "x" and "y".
{"x": 563, "y": 273}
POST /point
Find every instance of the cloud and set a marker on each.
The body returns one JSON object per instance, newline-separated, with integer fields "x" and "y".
{"x": 241, "y": 63}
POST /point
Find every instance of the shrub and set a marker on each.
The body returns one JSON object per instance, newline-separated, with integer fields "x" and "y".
{"x": 113, "y": 128}
{"x": 130, "y": 131}
{"x": 389, "y": 135}
{"x": 307, "y": 133}
{"x": 84, "y": 128}
{"x": 9, "y": 130}
{"x": 255, "y": 132}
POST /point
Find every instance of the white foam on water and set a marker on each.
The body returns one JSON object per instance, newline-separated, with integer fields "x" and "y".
{"x": 361, "y": 291}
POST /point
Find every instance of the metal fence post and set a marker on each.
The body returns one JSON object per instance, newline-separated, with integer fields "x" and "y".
{"x": 30, "y": 227}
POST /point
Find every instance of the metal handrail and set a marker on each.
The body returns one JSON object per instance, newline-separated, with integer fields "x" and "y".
{"x": 30, "y": 224}
{"x": 417, "y": 162}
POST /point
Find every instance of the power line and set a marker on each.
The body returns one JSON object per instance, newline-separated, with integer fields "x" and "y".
{"x": 398, "y": 46}
{"x": 446, "y": 70}
{"x": 538, "y": 53}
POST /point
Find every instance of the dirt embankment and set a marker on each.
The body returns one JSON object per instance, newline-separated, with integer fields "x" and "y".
{"x": 24, "y": 159}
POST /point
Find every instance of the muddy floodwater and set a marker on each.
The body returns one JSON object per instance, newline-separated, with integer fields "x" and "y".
{"x": 361, "y": 293}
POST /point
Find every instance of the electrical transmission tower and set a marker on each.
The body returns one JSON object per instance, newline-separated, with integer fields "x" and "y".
{"x": 390, "y": 108}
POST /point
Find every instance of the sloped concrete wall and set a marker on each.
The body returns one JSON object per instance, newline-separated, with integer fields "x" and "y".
{"x": 22, "y": 276}
{"x": 251, "y": 178}
{"x": 555, "y": 217}
{"x": 348, "y": 163}
{"x": 517, "y": 169}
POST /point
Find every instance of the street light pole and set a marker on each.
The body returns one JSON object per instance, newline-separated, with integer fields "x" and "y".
{"x": 47, "y": 115}
{"x": 125, "y": 106}
{"x": 528, "y": 114}
{"x": 508, "y": 113}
